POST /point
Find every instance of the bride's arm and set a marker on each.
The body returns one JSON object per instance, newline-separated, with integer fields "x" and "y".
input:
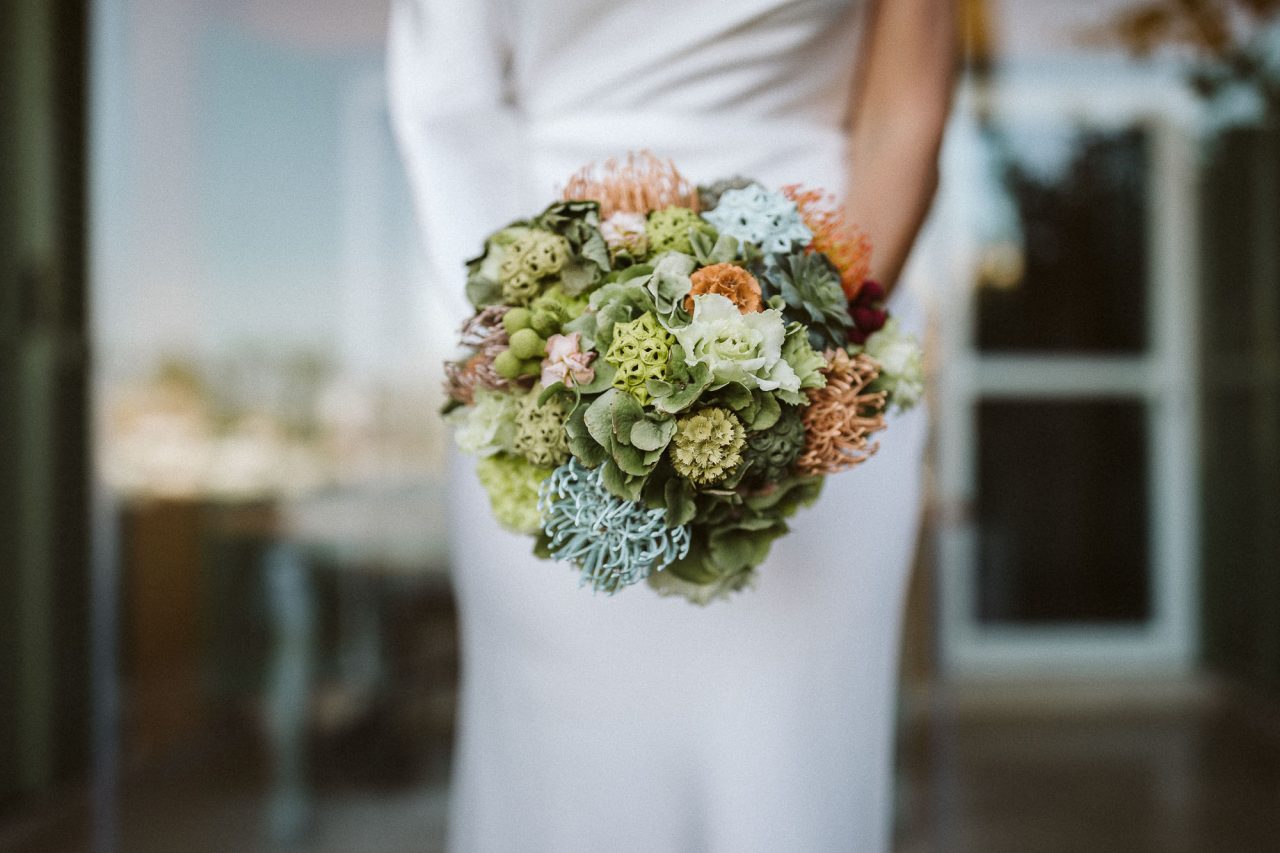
{"x": 899, "y": 111}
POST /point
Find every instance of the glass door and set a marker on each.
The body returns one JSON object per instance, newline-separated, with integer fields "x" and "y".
{"x": 1067, "y": 377}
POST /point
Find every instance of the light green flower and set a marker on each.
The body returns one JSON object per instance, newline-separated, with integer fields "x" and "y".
{"x": 639, "y": 350}
{"x": 804, "y": 360}
{"x": 901, "y": 365}
{"x": 737, "y": 347}
{"x": 707, "y": 446}
{"x": 512, "y": 484}
{"x": 489, "y": 425}
{"x": 540, "y": 436}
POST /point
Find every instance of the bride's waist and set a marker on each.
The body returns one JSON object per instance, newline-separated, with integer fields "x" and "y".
{"x": 705, "y": 146}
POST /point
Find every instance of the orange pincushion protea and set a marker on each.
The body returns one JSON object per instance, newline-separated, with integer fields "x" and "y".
{"x": 834, "y": 236}
{"x": 842, "y": 416}
{"x": 639, "y": 184}
{"x": 730, "y": 281}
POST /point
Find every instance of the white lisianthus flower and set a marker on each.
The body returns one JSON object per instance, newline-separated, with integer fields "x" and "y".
{"x": 901, "y": 364}
{"x": 737, "y": 347}
{"x": 488, "y": 426}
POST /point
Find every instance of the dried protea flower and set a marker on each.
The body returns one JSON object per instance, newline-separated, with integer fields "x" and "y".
{"x": 463, "y": 377}
{"x": 729, "y": 280}
{"x": 833, "y": 235}
{"x": 484, "y": 328}
{"x": 842, "y": 416}
{"x": 638, "y": 184}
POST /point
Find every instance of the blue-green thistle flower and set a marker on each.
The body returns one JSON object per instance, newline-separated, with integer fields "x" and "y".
{"x": 614, "y": 542}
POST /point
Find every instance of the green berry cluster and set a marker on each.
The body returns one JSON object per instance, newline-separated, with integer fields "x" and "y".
{"x": 639, "y": 350}
{"x": 526, "y": 348}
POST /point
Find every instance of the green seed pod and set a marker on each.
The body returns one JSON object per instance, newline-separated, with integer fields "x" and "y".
{"x": 507, "y": 364}
{"x": 547, "y": 322}
{"x": 531, "y": 366}
{"x": 516, "y": 319}
{"x": 526, "y": 343}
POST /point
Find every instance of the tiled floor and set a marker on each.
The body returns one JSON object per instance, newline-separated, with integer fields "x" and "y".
{"x": 1183, "y": 779}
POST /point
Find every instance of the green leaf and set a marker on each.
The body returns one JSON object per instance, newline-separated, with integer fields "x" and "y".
{"x": 603, "y": 380}
{"x": 482, "y": 292}
{"x": 653, "y": 433}
{"x": 767, "y": 410}
{"x": 599, "y": 418}
{"x": 579, "y": 275}
{"x": 681, "y": 504}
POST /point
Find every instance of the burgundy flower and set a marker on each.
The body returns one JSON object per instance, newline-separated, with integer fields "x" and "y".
{"x": 868, "y": 312}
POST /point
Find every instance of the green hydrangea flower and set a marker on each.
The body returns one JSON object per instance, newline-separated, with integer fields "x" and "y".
{"x": 530, "y": 261}
{"x": 769, "y": 453}
{"x": 539, "y": 435}
{"x": 639, "y": 350}
{"x": 668, "y": 230}
{"x": 512, "y": 484}
{"x": 488, "y": 426}
{"x": 901, "y": 365}
{"x": 707, "y": 447}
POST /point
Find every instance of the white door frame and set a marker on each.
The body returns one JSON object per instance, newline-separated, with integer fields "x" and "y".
{"x": 1164, "y": 378}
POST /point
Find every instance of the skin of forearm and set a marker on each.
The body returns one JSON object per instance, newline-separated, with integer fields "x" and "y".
{"x": 900, "y": 109}
{"x": 896, "y": 176}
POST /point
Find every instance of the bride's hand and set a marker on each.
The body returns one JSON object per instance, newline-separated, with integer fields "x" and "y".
{"x": 899, "y": 110}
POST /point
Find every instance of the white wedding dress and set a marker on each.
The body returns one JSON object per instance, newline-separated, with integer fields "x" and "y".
{"x": 637, "y": 723}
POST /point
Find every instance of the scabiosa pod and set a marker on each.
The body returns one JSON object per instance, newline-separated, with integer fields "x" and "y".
{"x": 639, "y": 350}
{"x": 756, "y": 215}
{"x": 668, "y": 230}
{"x": 530, "y": 261}
{"x": 539, "y": 431}
{"x": 707, "y": 446}
{"x": 613, "y": 542}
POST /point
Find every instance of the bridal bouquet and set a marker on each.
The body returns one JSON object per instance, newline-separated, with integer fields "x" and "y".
{"x": 659, "y": 375}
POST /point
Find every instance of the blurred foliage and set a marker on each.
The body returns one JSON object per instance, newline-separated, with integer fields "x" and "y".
{"x": 1236, "y": 43}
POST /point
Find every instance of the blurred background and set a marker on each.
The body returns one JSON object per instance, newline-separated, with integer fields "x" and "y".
{"x": 225, "y": 614}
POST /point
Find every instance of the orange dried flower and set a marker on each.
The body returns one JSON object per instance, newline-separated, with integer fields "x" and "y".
{"x": 842, "y": 416}
{"x": 728, "y": 280}
{"x": 638, "y": 184}
{"x": 833, "y": 235}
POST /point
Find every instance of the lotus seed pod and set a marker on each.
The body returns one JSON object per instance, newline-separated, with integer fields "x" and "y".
{"x": 516, "y": 319}
{"x": 527, "y": 344}
{"x": 507, "y": 364}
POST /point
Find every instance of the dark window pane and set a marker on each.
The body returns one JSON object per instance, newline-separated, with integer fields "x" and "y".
{"x": 1081, "y": 201}
{"x": 1062, "y": 512}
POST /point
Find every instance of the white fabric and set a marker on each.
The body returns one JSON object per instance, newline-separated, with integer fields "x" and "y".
{"x": 639, "y": 723}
